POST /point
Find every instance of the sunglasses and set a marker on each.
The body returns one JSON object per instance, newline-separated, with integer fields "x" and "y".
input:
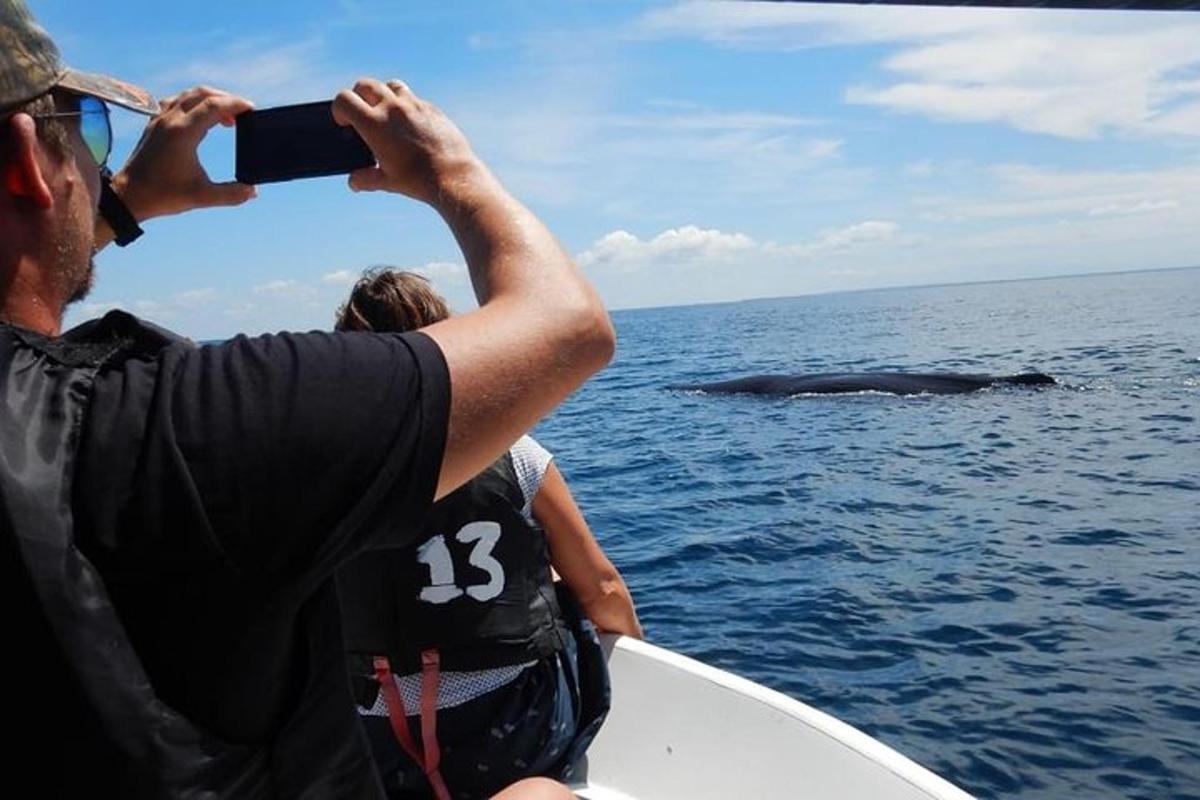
{"x": 94, "y": 126}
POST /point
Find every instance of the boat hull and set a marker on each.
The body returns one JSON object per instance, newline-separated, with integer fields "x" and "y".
{"x": 681, "y": 729}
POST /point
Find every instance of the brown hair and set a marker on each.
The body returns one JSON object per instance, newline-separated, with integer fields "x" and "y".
{"x": 389, "y": 300}
{"x": 50, "y": 129}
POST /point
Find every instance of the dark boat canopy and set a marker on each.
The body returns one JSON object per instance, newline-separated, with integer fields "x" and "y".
{"x": 1120, "y": 5}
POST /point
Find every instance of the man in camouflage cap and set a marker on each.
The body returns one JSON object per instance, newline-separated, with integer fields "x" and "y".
{"x": 171, "y": 517}
{"x": 43, "y": 100}
{"x": 30, "y": 66}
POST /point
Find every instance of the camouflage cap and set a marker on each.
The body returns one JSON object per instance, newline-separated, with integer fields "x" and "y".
{"x": 30, "y": 66}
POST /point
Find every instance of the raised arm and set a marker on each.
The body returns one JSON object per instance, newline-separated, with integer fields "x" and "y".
{"x": 163, "y": 175}
{"x": 540, "y": 331}
{"x": 578, "y": 558}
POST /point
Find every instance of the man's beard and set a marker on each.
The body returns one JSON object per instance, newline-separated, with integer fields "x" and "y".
{"x": 83, "y": 287}
{"x": 75, "y": 247}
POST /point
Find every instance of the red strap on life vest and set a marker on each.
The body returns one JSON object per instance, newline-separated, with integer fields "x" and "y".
{"x": 430, "y": 672}
{"x": 432, "y": 755}
{"x": 395, "y": 707}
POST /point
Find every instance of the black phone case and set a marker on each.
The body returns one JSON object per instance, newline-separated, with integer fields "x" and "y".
{"x": 301, "y": 141}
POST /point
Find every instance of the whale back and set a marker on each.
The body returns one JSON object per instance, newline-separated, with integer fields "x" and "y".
{"x": 899, "y": 383}
{"x": 1028, "y": 379}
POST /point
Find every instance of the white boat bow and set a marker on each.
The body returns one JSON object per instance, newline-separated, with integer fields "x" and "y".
{"x": 681, "y": 729}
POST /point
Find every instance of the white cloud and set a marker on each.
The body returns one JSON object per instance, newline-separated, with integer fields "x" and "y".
{"x": 443, "y": 271}
{"x": 621, "y": 250}
{"x": 705, "y": 120}
{"x": 167, "y": 308}
{"x": 689, "y": 264}
{"x": 193, "y": 298}
{"x": 342, "y": 277}
{"x": 274, "y": 305}
{"x": 285, "y": 290}
{"x": 267, "y": 73}
{"x": 1056, "y": 82}
{"x": 799, "y": 26}
{"x": 1022, "y": 220}
{"x": 555, "y": 143}
{"x": 823, "y": 148}
{"x": 1071, "y": 74}
{"x": 1019, "y": 190}
{"x": 697, "y": 248}
{"x": 1140, "y": 207}
{"x": 743, "y": 140}
{"x": 150, "y": 308}
{"x": 847, "y": 238}
{"x": 275, "y": 287}
{"x": 859, "y": 233}
{"x": 1163, "y": 238}
{"x": 1072, "y": 112}
{"x": 1182, "y": 120}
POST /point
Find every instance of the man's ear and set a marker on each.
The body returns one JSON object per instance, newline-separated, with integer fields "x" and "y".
{"x": 23, "y": 176}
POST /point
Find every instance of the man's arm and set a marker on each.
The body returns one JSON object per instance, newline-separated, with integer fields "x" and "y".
{"x": 540, "y": 331}
{"x": 163, "y": 174}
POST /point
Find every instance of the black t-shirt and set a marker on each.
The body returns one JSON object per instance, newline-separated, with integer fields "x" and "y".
{"x": 220, "y": 486}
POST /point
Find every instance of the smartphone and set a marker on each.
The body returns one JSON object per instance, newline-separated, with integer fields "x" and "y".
{"x": 302, "y": 141}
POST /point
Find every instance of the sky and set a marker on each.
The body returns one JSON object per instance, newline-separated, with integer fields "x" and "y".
{"x": 683, "y": 152}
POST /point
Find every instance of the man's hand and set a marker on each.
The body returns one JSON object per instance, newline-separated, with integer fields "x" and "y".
{"x": 420, "y": 151}
{"x": 164, "y": 174}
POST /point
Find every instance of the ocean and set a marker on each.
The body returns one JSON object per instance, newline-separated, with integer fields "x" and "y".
{"x": 1004, "y": 586}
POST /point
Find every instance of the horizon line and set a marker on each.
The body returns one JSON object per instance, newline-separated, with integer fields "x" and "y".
{"x": 1122, "y": 271}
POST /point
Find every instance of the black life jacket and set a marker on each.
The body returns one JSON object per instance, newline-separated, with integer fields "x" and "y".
{"x": 477, "y": 587}
{"x": 82, "y": 711}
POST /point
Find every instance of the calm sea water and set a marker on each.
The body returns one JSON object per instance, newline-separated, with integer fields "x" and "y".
{"x": 1004, "y": 586}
